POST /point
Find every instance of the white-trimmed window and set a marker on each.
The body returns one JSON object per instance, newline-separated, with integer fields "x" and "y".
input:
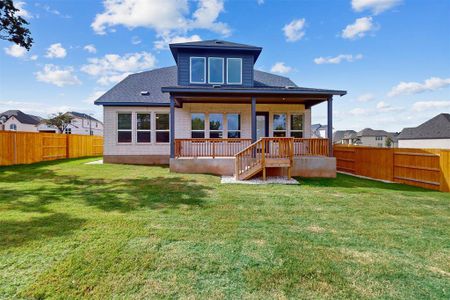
{"x": 124, "y": 128}
{"x": 297, "y": 125}
{"x": 233, "y": 126}
{"x": 12, "y": 127}
{"x": 198, "y": 125}
{"x": 215, "y": 70}
{"x": 197, "y": 70}
{"x": 162, "y": 128}
{"x": 234, "y": 70}
{"x": 279, "y": 125}
{"x": 143, "y": 127}
{"x": 68, "y": 131}
{"x": 216, "y": 126}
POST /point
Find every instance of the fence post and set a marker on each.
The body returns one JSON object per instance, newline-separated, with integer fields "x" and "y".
{"x": 444, "y": 163}
{"x": 67, "y": 146}
{"x": 15, "y": 148}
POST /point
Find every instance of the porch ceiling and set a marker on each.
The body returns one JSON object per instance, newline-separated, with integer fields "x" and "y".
{"x": 309, "y": 100}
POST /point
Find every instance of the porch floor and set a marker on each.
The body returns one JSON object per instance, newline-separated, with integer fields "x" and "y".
{"x": 259, "y": 180}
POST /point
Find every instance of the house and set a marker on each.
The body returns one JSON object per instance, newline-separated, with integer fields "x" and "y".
{"x": 16, "y": 120}
{"x": 319, "y": 131}
{"x": 376, "y": 138}
{"x": 345, "y": 137}
{"x": 434, "y": 133}
{"x": 81, "y": 124}
{"x": 214, "y": 113}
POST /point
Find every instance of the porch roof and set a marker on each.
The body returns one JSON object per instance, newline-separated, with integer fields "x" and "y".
{"x": 266, "y": 94}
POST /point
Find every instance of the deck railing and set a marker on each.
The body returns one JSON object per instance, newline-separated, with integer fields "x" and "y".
{"x": 199, "y": 147}
{"x": 274, "y": 147}
{"x": 250, "y": 157}
{"x": 311, "y": 147}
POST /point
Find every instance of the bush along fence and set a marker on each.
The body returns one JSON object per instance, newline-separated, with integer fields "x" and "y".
{"x": 30, "y": 147}
{"x": 427, "y": 168}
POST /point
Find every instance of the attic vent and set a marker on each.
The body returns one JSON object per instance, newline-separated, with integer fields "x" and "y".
{"x": 145, "y": 93}
{"x": 218, "y": 42}
{"x": 289, "y": 87}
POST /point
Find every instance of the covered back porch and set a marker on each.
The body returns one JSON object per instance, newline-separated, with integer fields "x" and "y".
{"x": 262, "y": 148}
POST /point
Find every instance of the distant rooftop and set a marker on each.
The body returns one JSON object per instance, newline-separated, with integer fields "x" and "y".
{"x": 22, "y": 117}
{"x": 435, "y": 128}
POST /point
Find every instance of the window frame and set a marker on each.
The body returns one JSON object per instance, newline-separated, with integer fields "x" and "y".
{"x": 296, "y": 130}
{"x": 204, "y": 70}
{"x": 228, "y": 70}
{"x": 216, "y": 130}
{"x": 13, "y": 127}
{"x": 209, "y": 70}
{"x": 143, "y": 130}
{"x": 124, "y": 130}
{"x": 285, "y": 124}
{"x": 240, "y": 125}
{"x": 204, "y": 124}
{"x": 161, "y": 130}
{"x": 67, "y": 130}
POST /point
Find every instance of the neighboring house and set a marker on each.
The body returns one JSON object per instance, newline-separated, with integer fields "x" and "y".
{"x": 345, "y": 137}
{"x": 214, "y": 104}
{"x": 84, "y": 124}
{"x": 81, "y": 124}
{"x": 16, "y": 120}
{"x": 434, "y": 133}
{"x": 319, "y": 131}
{"x": 376, "y": 138}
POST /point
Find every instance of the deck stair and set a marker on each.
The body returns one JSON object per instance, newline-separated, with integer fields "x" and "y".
{"x": 264, "y": 153}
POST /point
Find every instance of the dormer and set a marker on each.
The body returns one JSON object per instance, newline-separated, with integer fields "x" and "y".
{"x": 215, "y": 63}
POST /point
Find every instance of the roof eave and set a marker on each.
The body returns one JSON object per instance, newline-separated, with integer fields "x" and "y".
{"x": 251, "y": 91}
{"x": 127, "y": 103}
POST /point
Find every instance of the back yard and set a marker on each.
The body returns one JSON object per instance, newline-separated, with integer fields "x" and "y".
{"x": 71, "y": 230}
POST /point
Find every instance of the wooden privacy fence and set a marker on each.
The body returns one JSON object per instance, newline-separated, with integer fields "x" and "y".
{"x": 31, "y": 147}
{"x": 427, "y": 168}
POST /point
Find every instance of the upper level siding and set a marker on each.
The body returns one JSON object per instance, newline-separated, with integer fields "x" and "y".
{"x": 184, "y": 60}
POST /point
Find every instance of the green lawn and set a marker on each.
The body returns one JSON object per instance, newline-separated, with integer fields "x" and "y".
{"x": 70, "y": 230}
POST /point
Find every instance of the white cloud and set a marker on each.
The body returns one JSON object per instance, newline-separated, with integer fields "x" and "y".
{"x": 22, "y": 11}
{"x": 166, "y": 39}
{"x": 358, "y": 29}
{"x": 164, "y": 16}
{"x": 385, "y": 107}
{"x": 260, "y": 2}
{"x": 94, "y": 96}
{"x": 135, "y": 40}
{"x": 431, "y": 84}
{"x": 52, "y": 11}
{"x": 112, "y": 67}
{"x": 90, "y": 48}
{"x": 294, "y": 31}
{"x": 34, "y": 57}
{"x": 337, "y": 59}
{"x": 59, "y": 76}
{"x": 358, "y": 111}
{"x": 280, "y": 68}
{"x": 365, "y": 97}
{"x": 15, "y": 51}
{"x": 376, "y": 6}
{"x": 56, "y": 51}
{"x": 430, "y": 105}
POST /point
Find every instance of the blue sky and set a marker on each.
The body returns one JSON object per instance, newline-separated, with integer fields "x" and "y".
{"x": 392, "y": 56}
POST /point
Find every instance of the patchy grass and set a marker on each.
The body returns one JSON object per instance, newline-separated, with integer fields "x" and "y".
{"x": 70, "y": 230}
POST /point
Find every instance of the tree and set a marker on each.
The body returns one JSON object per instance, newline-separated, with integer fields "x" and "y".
{"x": 13, "y": 27}
{"x": 388, "y": 142}
{"x": 60, "y": 121}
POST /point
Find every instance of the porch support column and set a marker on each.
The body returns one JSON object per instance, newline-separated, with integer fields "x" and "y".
{"x": 253, "y": 119}
{"x": 172, "y": 127}
{"x": 330, "y": 125}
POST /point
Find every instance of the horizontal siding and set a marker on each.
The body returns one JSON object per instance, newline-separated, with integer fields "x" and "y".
{"x": 183, "y": 66}
{"x": 183, "y": 124}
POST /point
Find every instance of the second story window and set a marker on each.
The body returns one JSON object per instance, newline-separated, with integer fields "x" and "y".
{"x": 234, "y": 70}
{"x": 198, "y": 70}
{"x": 215, "y": 70}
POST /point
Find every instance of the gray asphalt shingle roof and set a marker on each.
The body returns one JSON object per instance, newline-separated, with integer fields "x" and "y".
{"x": 435, "y": 128}
{"x": 83, "y": 116}
{"x": 129, "y": 90}
{"x": 22, "y": 117}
